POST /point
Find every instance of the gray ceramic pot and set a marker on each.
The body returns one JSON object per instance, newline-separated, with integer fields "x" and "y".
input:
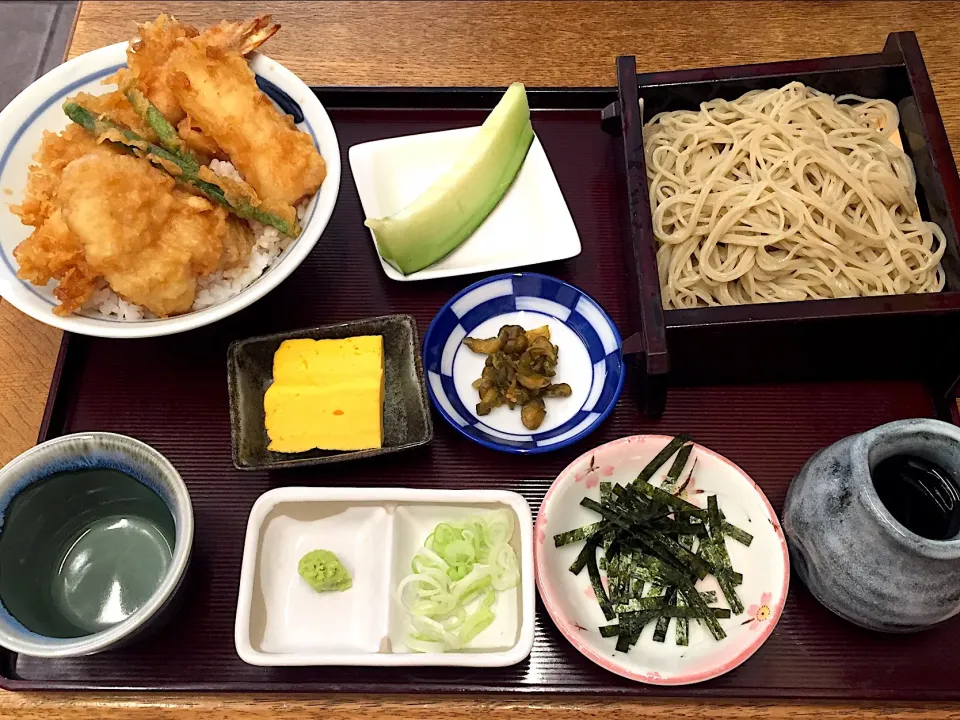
{"x": 850, "y": 551}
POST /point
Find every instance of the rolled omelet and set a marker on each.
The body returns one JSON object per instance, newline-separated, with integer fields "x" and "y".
{"x": 326, "y": 394}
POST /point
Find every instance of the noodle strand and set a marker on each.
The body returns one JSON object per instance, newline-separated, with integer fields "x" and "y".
{"x": 786, "y": 194}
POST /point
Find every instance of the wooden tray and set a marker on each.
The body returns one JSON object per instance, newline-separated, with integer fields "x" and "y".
{"x": 885, "y": 336}
{"x": 172, "y": 393}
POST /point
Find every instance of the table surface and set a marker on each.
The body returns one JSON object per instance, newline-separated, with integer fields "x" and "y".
{"x": 479, "y": 43}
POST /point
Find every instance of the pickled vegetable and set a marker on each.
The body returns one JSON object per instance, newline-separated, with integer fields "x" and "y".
{"x": 519, "y": 370}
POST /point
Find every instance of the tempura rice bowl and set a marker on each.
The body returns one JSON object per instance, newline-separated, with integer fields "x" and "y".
{"x": 37, "y": 109}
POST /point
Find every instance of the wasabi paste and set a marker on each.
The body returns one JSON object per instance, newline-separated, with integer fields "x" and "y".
{"x": 324, "y": 572}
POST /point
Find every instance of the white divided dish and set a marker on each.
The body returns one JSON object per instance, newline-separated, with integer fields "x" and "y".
{"x": 530, "y": 225}
{"x": 375, "y": 533}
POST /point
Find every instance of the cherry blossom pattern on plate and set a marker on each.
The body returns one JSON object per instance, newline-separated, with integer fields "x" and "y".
{"x": 593, "y": 473}
{"x": 759, "y": 614}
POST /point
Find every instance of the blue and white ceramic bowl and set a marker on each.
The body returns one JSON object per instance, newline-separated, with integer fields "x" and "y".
{"x": 590, "y": 360}
{"x": 37, "y": 110}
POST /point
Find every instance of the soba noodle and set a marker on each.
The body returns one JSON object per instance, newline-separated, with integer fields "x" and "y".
{"x": 786, "y": 194}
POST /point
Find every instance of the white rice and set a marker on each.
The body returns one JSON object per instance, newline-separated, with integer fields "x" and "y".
{"x": 218, "y": 287}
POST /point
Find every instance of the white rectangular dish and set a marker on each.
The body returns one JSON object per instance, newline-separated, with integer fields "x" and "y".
{"x": 375, "y": 532}
{"x": 530, "y": 225}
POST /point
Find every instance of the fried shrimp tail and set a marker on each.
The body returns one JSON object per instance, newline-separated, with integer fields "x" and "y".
{"x": 242, "y": 37}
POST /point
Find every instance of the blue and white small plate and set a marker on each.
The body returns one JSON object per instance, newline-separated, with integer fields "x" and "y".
{"x": 590, "y": 360}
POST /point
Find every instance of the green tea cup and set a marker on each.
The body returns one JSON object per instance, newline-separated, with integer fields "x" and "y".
{"x": 95, "y": 538}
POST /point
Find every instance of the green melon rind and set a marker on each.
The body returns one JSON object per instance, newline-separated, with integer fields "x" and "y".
{"x": 457, "y": 203}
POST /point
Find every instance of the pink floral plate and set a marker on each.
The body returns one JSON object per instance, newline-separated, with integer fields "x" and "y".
{"x": 572, "y": 604}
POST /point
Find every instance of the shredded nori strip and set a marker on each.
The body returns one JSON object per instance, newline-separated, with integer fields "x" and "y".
{"x": 659, "y": 544}
{"x": 605, "y": 491}
{"x": 681, "y": 505}
{"x": 633, "y": 506}
{"x": 609, "y": 512}
{"x": 648, "y": 472}
{"x": 688, "y": 540}
{"x": 681, "y": 527}
{"x": 705, "y": 613}
{"x": 682, "y": 627}
{"x": 581, "y": 533}
{"x": 601, "y": 594}
{"x": 730, "y": 593}
{"x": 666, "y": 573}
{"x": 631, "y": 625}
{"x": 690, "y": 593}
{"x": 640, "y": 605}
{"x": 680, "y": 554}
{"x": 609, "y": 631}
{"x": 615, "y": 581}
{"x": 663, "y": 622}
{"x": 707, "y": 551}
{"x": 692, "y": 613}
{"x": 720, "y": 557}
{"x": 637, "y": 621}
{"x": 625, "y": 641}
{"x": 679, "y": 463}
{"x": 683, "y": 487}
{"x": 607, "y": 542}
{"x": 636, "y": 571}
{"x": 669, "y": 499}
{"x": 741, "y": 536}
{"x": 581, "y": 561}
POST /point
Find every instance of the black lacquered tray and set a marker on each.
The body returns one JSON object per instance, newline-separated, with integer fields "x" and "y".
{"x": 171, "y": 392}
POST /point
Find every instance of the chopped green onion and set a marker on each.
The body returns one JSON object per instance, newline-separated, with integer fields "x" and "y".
{"x": 456, "y": 577}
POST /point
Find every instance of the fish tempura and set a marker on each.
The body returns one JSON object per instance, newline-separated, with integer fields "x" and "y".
{"x": 150, "y": 241}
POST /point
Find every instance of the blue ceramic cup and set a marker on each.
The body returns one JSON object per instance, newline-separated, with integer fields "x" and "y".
{"x": 95, "y": 537}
